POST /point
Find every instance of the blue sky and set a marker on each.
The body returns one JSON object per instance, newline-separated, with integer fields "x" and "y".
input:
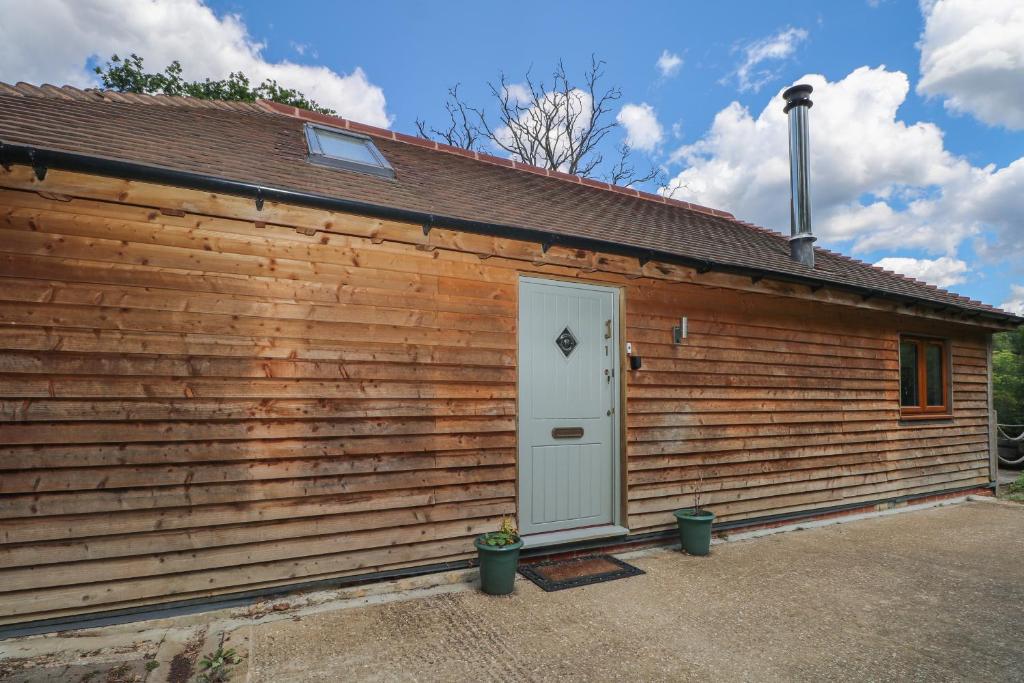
{"x": 422, "y": 49}
{"x": 915, "y": 132}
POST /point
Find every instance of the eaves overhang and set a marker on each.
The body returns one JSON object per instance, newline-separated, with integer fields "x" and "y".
{"x": 42, "y": 159}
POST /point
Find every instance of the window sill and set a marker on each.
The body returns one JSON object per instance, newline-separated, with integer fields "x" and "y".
{"x": 926, "y": 417}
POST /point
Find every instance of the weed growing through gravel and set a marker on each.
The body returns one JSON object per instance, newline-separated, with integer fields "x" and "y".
{"x": 216, "y": 667}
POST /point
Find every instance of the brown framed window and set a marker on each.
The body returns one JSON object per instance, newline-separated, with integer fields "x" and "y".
{"x": 924, "y": 378}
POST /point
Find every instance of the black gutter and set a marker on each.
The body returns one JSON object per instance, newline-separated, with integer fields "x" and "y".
{"x": 244, "y": 598}
{"x": 42, "y": 159}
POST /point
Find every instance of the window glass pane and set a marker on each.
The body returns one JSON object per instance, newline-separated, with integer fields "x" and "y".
{"x": 908, "y": 374}
{"x": 933, "y": 373}
{"x": 344, "y": 147}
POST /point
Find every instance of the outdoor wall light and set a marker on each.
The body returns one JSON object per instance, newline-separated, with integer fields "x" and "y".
{"x": 635, "y": 362}
{"x": 679, "y": 332}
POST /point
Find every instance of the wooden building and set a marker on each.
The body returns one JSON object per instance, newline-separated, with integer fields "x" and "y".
{"x": 246, "y": 347}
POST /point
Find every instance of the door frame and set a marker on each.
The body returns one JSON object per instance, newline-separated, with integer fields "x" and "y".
{"x": 619, "y": 482}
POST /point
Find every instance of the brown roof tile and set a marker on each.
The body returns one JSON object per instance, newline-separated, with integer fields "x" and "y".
{"x": 264, "y": 144}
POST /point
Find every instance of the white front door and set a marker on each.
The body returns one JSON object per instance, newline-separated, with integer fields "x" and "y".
{"x": 568, "y": 405}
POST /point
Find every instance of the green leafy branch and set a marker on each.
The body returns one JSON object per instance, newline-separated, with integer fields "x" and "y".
{"x": 129, "y": 75}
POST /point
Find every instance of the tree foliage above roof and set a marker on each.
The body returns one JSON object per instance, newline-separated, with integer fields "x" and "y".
{"x": 129, "y": 75}
{"x": 1008, "y": 376}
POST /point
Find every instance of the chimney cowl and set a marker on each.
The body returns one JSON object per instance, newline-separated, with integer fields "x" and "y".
{"x": 797, "y": 96}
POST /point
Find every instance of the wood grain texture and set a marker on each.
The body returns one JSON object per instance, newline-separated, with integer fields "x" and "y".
{"x": 193, "y": 405}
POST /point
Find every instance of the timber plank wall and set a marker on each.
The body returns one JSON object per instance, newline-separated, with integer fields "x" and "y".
{"x": 198, "y": 398}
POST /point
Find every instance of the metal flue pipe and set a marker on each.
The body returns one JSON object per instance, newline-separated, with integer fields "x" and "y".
{"x": 801, "y": 241}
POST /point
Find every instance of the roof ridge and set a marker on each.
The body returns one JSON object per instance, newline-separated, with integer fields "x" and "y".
{"x": 338, "y": 121}
{"x": 70, "y": 92}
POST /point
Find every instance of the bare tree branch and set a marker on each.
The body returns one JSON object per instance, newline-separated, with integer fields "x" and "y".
{"x": 462, "y": 131}
{"x": 676, "y": 185}
{"x": 624, "y": 172}
{"x": 556, "y": 125}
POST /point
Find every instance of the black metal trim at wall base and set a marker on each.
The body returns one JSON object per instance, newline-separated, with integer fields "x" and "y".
{"x": 197, "y": 605}
{"x": 655, "y": 536}
{"x": 207, "y": 604}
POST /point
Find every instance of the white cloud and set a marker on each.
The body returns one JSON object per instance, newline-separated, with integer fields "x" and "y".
{"x": 669, "y": 63}
{"x": 877, "y": 182}
{"x": 555, "y": 112}
{"x": 972, "y": 54}
{"x": 643, "y": 131}
{"x": 50, "y": 41}
{"x": 303, "y": 48}
{"x": 518, "y": 92}
{"x": 753, "y": 73}
{"x": 1016, "y": 302}
{"x": 942, "y": 272}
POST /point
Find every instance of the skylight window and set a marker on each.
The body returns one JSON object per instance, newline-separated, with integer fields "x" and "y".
{"x": 345, "y": 149}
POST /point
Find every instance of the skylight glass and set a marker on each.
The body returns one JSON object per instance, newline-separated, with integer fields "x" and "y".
{"x": 345, "y": 149}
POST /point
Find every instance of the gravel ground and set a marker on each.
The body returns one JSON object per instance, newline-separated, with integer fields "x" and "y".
{"x": 1008, "y": 476}
{"x": 930, "y": 595}
{"x": 924, "y": 596}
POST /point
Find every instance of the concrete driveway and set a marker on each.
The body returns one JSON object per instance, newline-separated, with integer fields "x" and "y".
{"x": 936, "y": 594}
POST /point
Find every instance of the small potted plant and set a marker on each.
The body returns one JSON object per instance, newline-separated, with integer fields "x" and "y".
{"x": 498, "y": 553}
{"x": 695, "y": 524}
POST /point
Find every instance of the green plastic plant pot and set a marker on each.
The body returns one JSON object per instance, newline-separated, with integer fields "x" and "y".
{"x": 695, "y": 530}
{"x": 498, "y": 567}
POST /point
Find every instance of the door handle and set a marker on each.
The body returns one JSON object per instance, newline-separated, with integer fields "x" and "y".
{"x": 567, "y": 433}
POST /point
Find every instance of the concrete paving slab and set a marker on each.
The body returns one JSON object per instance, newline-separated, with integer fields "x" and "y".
{"x": 116, "y": 657}
{"x": 930, "y": 595}
{"x": 935, "y": 594}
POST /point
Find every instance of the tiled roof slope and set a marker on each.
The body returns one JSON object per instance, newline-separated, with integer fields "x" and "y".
{"x": 255, "y": 143}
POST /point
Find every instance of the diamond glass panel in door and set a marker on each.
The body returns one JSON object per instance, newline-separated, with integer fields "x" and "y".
{"x": 933, "y": 375}
{"x": 908, "y": 374}
{"x": 566, "y": 342}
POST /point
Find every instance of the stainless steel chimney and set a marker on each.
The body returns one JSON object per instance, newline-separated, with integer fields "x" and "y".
{"x": 801, "y": 241}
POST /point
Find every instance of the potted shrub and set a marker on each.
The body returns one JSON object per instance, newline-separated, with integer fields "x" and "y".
{"x": 498, "y": 553}
{"x": 695, "y": 524}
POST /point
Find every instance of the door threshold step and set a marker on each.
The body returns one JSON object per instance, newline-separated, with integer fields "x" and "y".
{"x": 573, "y": 535}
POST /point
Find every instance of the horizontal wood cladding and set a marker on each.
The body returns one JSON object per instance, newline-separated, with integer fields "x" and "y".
{"x": 213, "y": 402}
{"x": 831, "y": 435}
